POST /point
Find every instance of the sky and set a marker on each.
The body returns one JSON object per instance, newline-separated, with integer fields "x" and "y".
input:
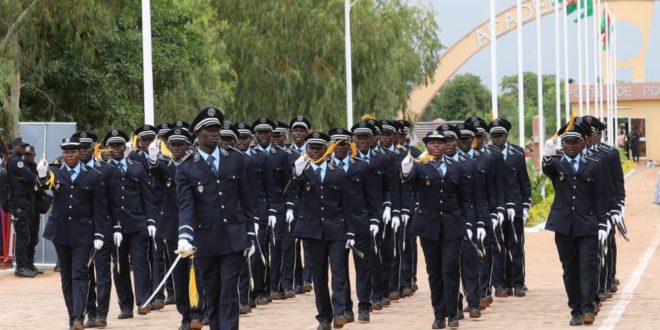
{"x": 456, "y": 18}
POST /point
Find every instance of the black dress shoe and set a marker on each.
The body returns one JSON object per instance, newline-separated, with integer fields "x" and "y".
{"x": 56, "y": 268}
{"x": 376, "y": 306}
{"x": 101, "y": 322}
{"x": 509, "y": 291}
{"x": 339, "y": 322}
{"x": 394, "y": 296}
{"x": 196, "y": 324}
{"x": 289, "y": 294}
{"x": 350, "y": 317}
{"x": 158, "y": 304}
{"x": 490, "y": 300}
{"x": 519, "y": 292}
{"x": 460, "y": 315}
{"x": 407, "y": 292}
{"x": 576, "y": 320}
{"x": 385, "y": 302}
{"x": 262, "y": 300}
{"x": 125, "y": 315}
{"x": 439, "y": 324}
{"x": 324, "y": 326}
{"x": 185, "y": 325}
{"x": 415, "y": 287}
{"x": 91, "y": 321}
{"x": 78, "y": 324}
{"x": 475, "y": 313}
{"x": 171, "y": 300}
{"x": 307, "y": 287}
{"x": 144, "y": 310}
{"x": 276, "y": 296}
{"x": 244, "y": 309}
{"x": 501, "y": 293}
{"x": 35, "y": 269}
{"x": 363, "y": 316}
{"x": 588, "y": 318}
{"x": 205, "y": 320}
{"x": 25, "y": 272}
{"x": 452, "y": 322}
{"x": 252, "y": 303}
{"x": 299, "y": 289}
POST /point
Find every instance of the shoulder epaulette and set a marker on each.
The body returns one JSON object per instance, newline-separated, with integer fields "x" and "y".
{"x": 331, "y": 166}
{"x": 196, "y": 157}
{"x": 593, "y": 159}
{"x": 448, "y": 160}
{"x": 462, "y": 158}
{"x": 130, "y": 162}
{"x": 85, "y": 167}
{"x": 231, "y": 148}
{"x": 476, "y": 153}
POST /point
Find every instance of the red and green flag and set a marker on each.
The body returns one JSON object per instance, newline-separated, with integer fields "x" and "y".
{"x": 586, "y": 7}
{"x": 606, "y": 29}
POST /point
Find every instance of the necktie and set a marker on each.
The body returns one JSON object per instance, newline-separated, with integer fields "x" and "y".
{"x": 573, "y": 162}
{"x": 71, "y": 174}
{"x": 365, "y": 158}
{"x": 318, "y": 173}
{"x": 121, "y": 167}
{"x": 210, "y": 160}
{"x": 439, "y": 167}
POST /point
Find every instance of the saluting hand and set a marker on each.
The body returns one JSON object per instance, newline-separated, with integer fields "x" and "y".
{"x": 42, "y": 167}
{"x": 550, "y": 147}
{"x": 407, "y": 165}
{"x": 300, "y": 164}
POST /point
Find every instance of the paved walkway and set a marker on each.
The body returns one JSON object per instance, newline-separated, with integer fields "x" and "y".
{"x": 37, "y": 303}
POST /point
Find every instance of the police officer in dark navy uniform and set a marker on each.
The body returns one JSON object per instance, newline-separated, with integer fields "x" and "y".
{"x": 490, "y": 164}
{"x": 279, "y": 134}
{"x": 444, "y": 190}
{"x": 135, "y": 215}
{"x": 259, "y": 173}
{"x": 100, "y": 279}
{"x": 281, "y": 239}
{"x": 75, "y": 224}
{"x": 215, "y": 215}
{"x": 578, "y": 216}
{"x": 509, "y": 270}
{"x": 22, "y": 174}
{"x": 324, "y": 220}
{"x": 365, "y": 219}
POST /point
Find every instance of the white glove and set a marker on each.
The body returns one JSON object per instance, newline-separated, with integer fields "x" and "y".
{"x": 42, "y": 168}
{"x": 407, "y": 165}
{"x": 272, "y": 221}
{"x": 481, "y": 234}
{"x": 469, "y": 233}
{"x": 256, "y": 228}
{"x": 117, "y": 238}
{"x": 525, "y": 215}
{"x": 494, "y": 222}
{"x": 153, "y": 151}
{"x": 500, "y": 217}
{"x": 602, "y": 236}
{"x": 550, "y": 147}
{"x": 616, "y": 218}
{"x": 405, "y": 218}
{"x": 300, "y": 164}
{"x": 350, "y": 243}
{"x": 151, "y": 229}
{"x": 511, "y": 213}
{"x": 249, "y": 251}
{"x": 184, "y": 248}
{"x": 98, "y": 244}
{"x": 396, "y": 222}
{"x": 623, "y": 209}
{"x": 289, "y": 216}
{"x": 387, "y": 215}
{"x": 374, "y": 230}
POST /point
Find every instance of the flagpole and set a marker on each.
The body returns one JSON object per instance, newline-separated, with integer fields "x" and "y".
{"x": 609, "y": 76}
{"x": 567, "y": 103}
{"x": 146, "y": 63}
{"x": 521, "y": 85}
{"x": 557, "y": 70}
{"x": 585, "y": 31}
{"x": 493, "y": 61}
{"x": 579, "y": 45}
{"x": 349, "y": 69}
{"x": 601, "y": 63}
{"x": 539, "y": 82}
{"x": 595, "y": 61}
{"x": 615, "y": 129}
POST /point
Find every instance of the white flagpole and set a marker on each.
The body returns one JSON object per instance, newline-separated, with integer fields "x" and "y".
{"x": 585, "y": 30}
{"x": 579, "y": 46}
{"x": 595, "y": 59}
{"x": 521, "y": 87}
{"x": 609, "y": 78}
{"x": 146, "y": 63}
{"x": 567, "y": 104}
{"x": 493, "y": 61}
{"x": 615, "y": 129}
{"x": 539, "y": 82}
{"x": 349, "y": 69}
{"x": 601, "y": 92}
{"x": 557, "y": 70}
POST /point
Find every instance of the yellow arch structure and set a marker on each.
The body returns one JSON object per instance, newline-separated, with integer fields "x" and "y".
{"x": 638, "y": 12}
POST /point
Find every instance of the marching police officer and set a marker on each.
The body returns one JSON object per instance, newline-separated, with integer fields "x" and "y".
{"x": 578, "y": 216}
{"x": 22, "y": 174}
{"x": 279, "y": 134}
{"x": 324, "y": 221}
{"x": 509, "y": 272}
{"x": 135, "y": 215}
{"x": 75, "y": 224}
{"x": 216, "y": 215}
{"x": 444, "y": 190}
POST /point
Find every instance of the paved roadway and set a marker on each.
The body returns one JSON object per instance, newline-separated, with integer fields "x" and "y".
{"x": 37, "y": 303}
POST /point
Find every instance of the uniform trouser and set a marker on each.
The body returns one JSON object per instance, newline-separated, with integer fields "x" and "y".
{"x": 486, "y": 264}
{"x": 137, "y": 246}
{"x": 386, "y": 249}
{"x": 363, "y": 273}
{"x": 180, "y": 282}
{"x": 442, "y": 266}
{"x": 470, "y": 263}
{"x": 27, "y": 237}
{"x": 509, "y": 269}
{"x": 408, "y": 260}
{"x": 395, "y": 267}
{"x": 100, "y": 282}
{"x": 606, "y": 276}
{"x": 304, "y": 269}
{"x": 159, "y": 266}
{"x": 281, "y": 256}
{"x": 220, "y": 278}
{"x": 75, "y": 278}
{"x": 260, "y": 270}
{"x": 333, "y": 254}
{"x": 579, "y": 261}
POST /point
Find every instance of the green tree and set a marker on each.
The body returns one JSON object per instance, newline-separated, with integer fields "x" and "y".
{"x": 289, "y": 57}
{"x": 462, "y": 97}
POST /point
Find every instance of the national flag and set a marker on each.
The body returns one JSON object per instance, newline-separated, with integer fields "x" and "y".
{"x": 605, "y": 26}
{"x": 586, "y": 6}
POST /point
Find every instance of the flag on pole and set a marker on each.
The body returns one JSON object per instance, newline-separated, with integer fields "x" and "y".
{"x": 586, "y": 7}
{"x": 605, "y": 26}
